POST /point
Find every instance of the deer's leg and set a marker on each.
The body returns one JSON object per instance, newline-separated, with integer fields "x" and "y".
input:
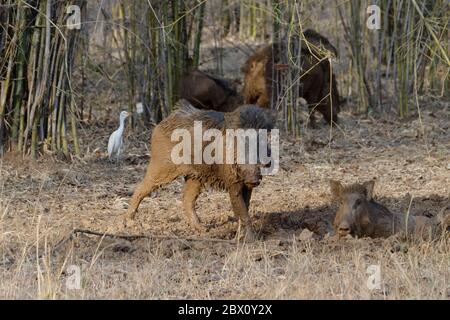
{"x": 312, "y": 119}
{"x": 312, "y": 94}
{"x": 192, "y": 190}
{"x": 326, "y": 111}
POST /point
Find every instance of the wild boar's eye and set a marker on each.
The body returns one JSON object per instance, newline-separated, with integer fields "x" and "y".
{"x": 357, "y": 203}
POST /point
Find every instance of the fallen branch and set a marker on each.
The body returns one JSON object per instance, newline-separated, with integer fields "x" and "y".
{"x": 132, "y": 238}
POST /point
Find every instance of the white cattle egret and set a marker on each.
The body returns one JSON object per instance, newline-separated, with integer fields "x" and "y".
{"x": 115, "y": 144}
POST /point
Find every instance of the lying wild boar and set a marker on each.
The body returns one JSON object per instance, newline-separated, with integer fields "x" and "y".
{"x": 318, "y": 84}
{"x": 204, "y": 91}
{"x": 238, "y": 179}
{"x": 360, "y": 215}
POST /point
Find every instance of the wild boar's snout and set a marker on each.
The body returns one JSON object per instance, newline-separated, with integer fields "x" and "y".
{"x": 344, "y": 228}
{"x": 343, "y": 221}
{"x": 251, "y": 174}
{"x": 253, "y": 180}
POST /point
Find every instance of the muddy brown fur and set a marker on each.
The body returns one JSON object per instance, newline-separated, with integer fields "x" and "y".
{"x": 360, "y": 215}
{"x": 205, "y": 91}
{"x": 237, "y": 179}
{"x": 317, "y": 81}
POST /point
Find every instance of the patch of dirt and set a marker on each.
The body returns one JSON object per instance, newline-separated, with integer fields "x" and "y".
{"x": 91, "y": 192}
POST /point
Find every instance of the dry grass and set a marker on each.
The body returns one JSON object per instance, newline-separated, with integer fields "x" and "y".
{"x": 42, "y": 202}
{"x": 264, "y": 270}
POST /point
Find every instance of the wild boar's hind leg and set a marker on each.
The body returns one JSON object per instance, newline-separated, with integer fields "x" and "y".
{"x": 192, "y": 189}
{"x": 241, "y": 211}
{"x": 152, "y": 181}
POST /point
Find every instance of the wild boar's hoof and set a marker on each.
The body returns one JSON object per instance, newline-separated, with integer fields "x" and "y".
{"x": 131, "y": 214}
{"x": 247, "y": 236}
{"x": 198, "y": 226}
{"x": 128, "y": 219}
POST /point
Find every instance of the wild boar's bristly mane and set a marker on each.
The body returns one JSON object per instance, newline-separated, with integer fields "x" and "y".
{"x": 250, "y": 117}
{"x": 186, "y": 114}
{"x": 245, "y": 117}
{"x": 354, "y": 188}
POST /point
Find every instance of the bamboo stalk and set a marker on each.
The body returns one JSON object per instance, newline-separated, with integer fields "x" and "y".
{"x": 37, "y": 58}
{"x": 198, "y": 35}
{"x": 19, "y": 81}
{"x": 73, "y": 123}
{"x": 47, "y": 4}
{"x": 34, "y": 137}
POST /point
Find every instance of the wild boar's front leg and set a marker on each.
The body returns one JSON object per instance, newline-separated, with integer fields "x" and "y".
{"x": 240, "y": 209}
{"x": 247, "y": 194}
{"x": 192, "y": 189}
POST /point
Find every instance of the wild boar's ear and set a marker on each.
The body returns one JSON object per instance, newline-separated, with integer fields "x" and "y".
{"x": 369, "y": 186}
{"x": 336, "y": 189}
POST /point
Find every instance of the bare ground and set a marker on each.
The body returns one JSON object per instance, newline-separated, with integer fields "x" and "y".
{"x": 42, "y": 202}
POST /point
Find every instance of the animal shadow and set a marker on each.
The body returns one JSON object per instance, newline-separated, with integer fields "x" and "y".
{"x": 318, "y": 220}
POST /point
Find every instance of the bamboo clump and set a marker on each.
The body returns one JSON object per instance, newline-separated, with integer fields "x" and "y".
{"x": 37, "y": 107}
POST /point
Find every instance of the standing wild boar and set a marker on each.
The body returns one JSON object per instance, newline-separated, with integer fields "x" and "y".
{"x": 238, "y": 179}
{"x": 360, "y": 215}
{"x": 204, "y": 91}
{"x": 318, "y": 84}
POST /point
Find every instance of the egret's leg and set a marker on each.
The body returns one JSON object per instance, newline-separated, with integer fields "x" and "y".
{"x": 192, "y": 190}
{"x": 119, "y": 152}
